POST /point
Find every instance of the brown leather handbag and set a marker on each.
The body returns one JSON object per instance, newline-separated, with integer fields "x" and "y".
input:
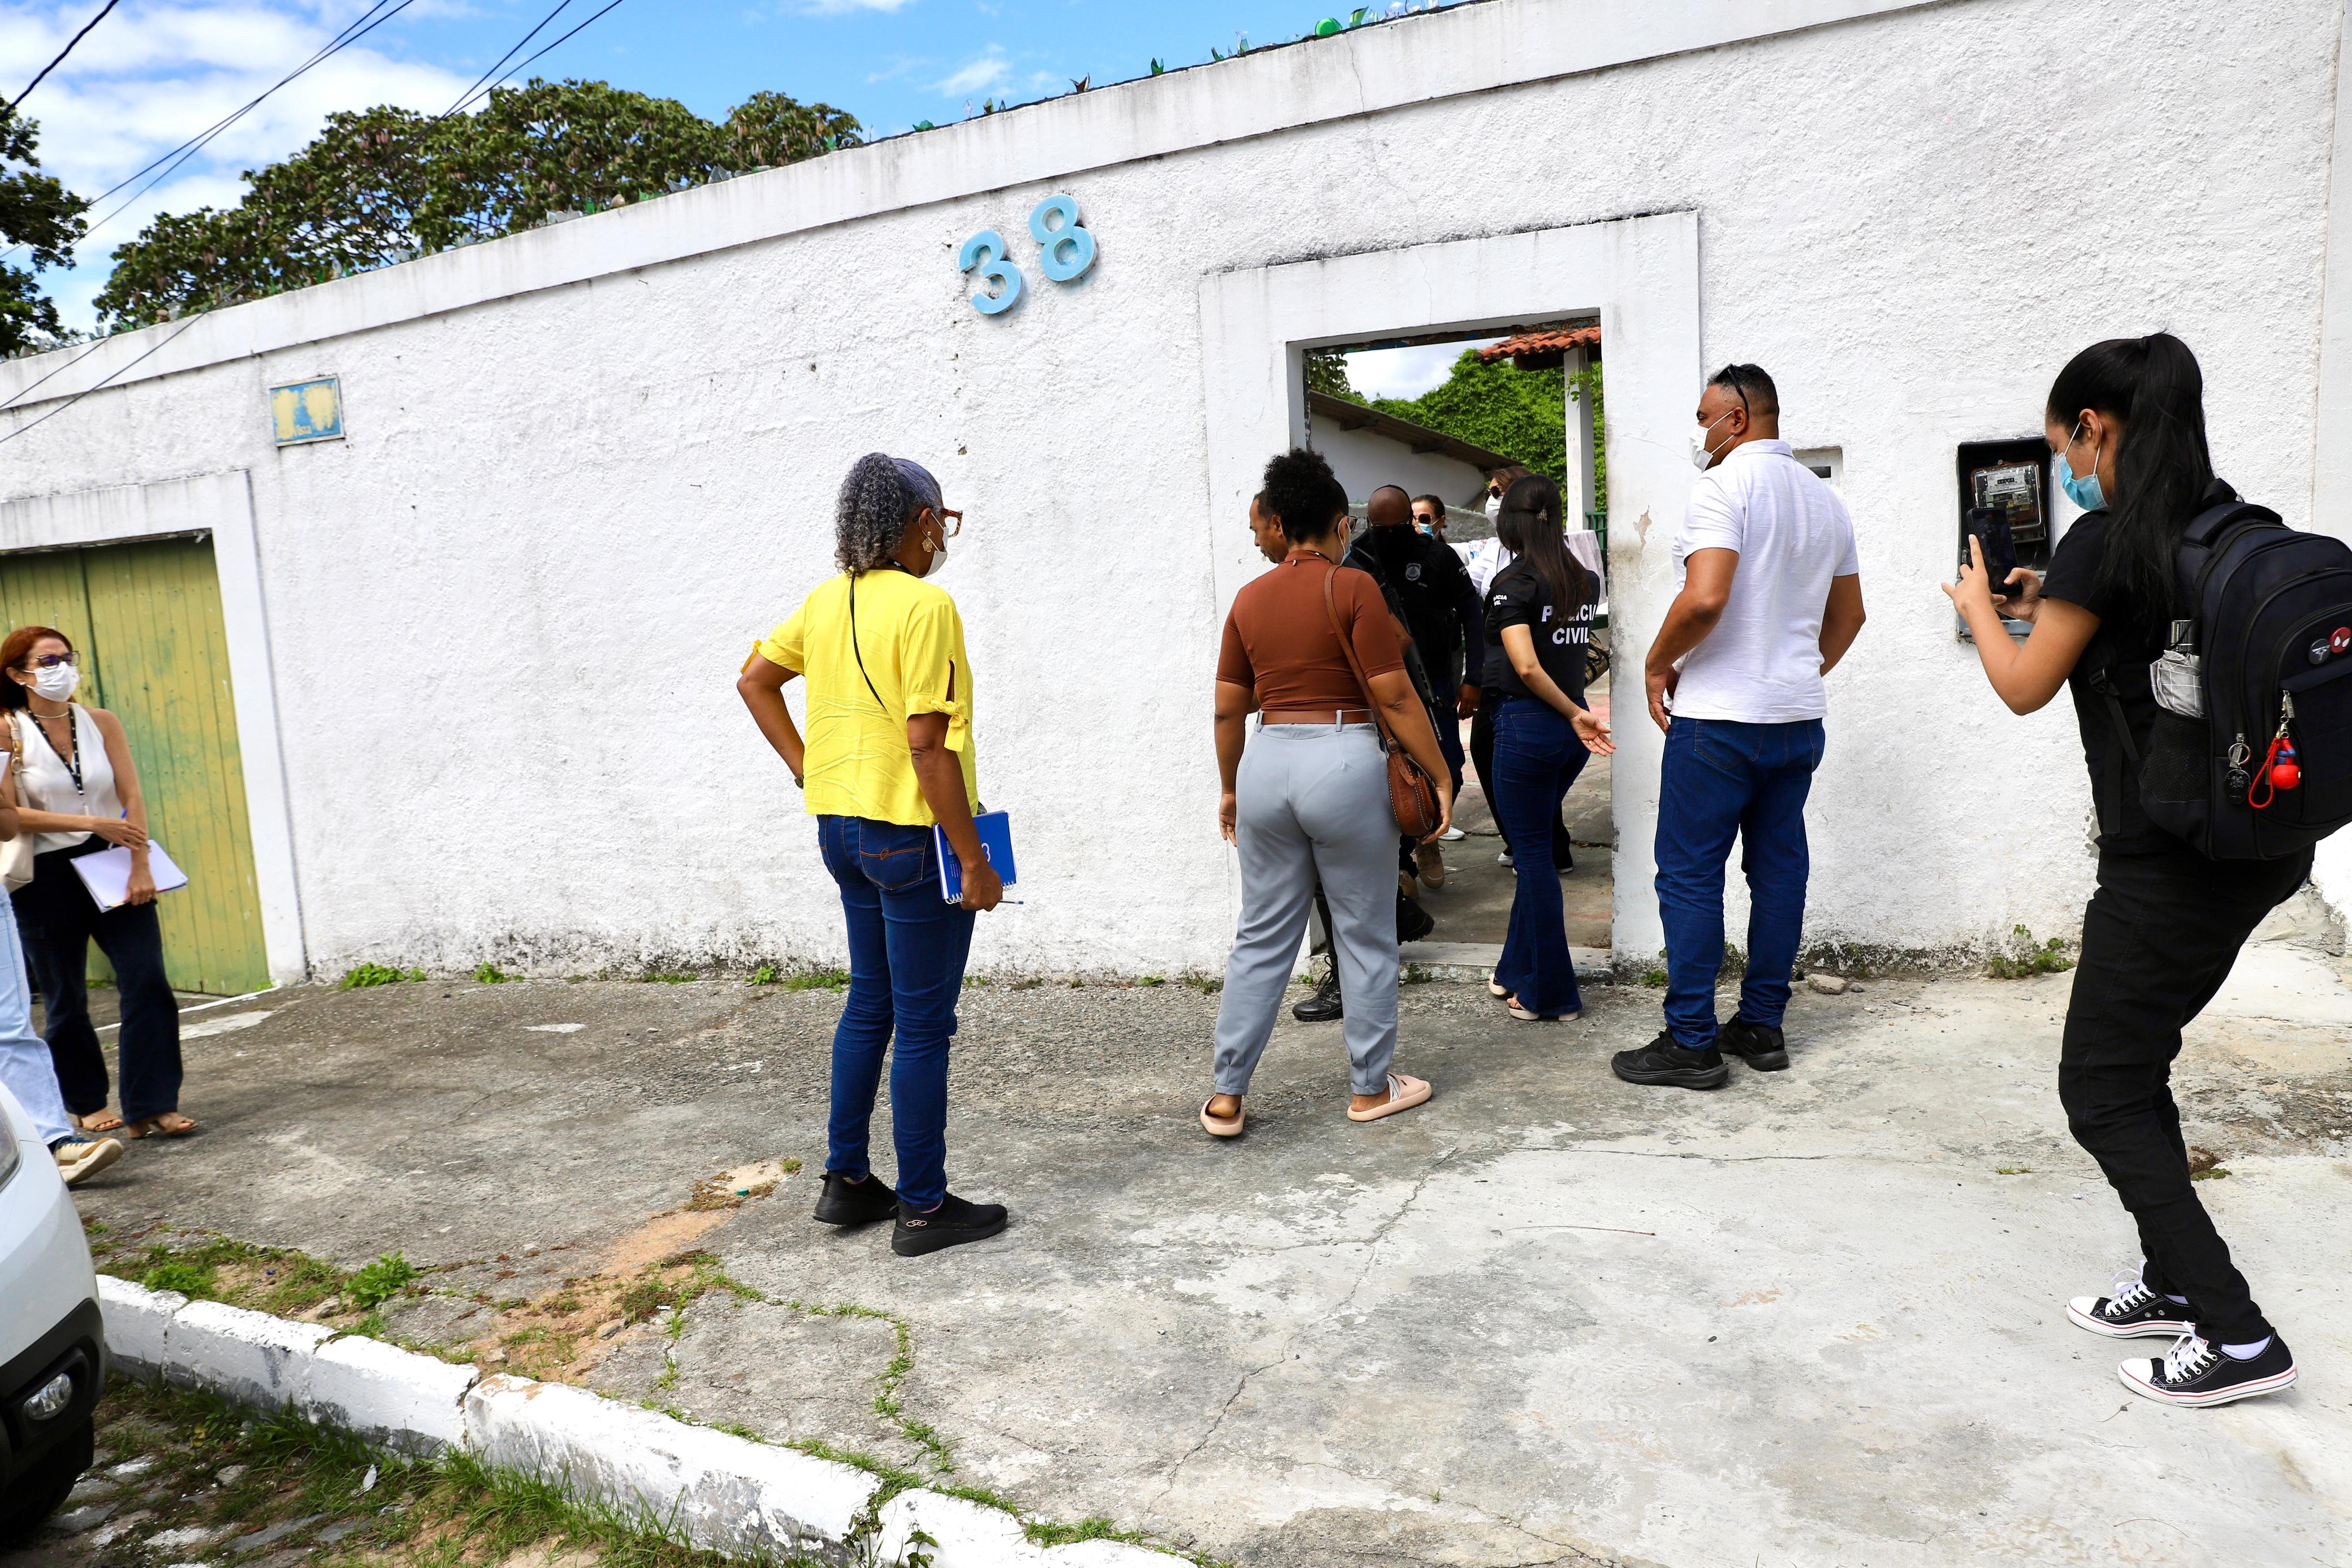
{"x": 1412, "y": 795}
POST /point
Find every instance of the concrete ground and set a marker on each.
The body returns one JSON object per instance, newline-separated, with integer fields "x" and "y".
{"x": 1813, "y": 1318}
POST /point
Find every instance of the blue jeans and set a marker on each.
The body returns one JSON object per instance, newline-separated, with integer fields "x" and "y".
{"x": 907, "y": 952}
{"x": 1721, "y": 778}
{"x": 1536, "y": 758}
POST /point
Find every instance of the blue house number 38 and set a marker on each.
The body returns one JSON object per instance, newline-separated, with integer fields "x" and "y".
{"x": 1068, "y": 250}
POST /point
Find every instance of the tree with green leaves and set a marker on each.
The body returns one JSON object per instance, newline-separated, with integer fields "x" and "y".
{"x": 383, "y": 184}
{"x": 41, "y": 216}
{"x": 1520, "y": 413}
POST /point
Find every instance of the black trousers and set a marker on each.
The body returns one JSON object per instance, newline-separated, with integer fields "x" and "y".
{"x": 57, "y": 920}
{"x": 1482, "y": 757}
{"x": 2158, "y": 938}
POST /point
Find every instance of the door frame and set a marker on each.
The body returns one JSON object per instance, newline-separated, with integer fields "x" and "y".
{"x": 1640, "y": 276}
{"x": 219, "y": 506}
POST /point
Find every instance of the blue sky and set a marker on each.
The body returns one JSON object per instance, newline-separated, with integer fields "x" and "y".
{"x": 157, "y": 72}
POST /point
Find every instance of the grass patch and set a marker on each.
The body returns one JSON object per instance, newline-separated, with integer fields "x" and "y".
{"x": 1152, "y": 980}
{"x": 2027, "y": 958}
{"x": 381, "y": 1280}
{"x": 671, "y": 979}
{"x": 1207, "y": 985}
{"x": 361, "y": 976}
{"x": 765, "y": 975}
{"x": 274, "y": 1280}
{"x": 489, "y": 974}
{"x": 1653, "y": 978}
{"x": 817, "y": 980}
{"x": 2012, "y": 1170}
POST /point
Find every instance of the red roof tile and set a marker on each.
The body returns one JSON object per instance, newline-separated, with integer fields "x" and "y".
{"x": 1550, "y": 342}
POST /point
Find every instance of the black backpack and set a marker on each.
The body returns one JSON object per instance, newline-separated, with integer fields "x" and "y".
{"x": 2252, "y": 754}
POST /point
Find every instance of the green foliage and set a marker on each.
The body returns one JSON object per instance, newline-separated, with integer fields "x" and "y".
{"x": 489, "y": 974}
{"x": 40, "y": 214}
{"x": 1152, "y": 980}
{"x": 2025, "y": 958}
{"x": 176, "y": 1274}
{"x": 765, "y": 975}
{"x": 817, "y": 980}
{"x": 1520, "y": 413}
{"x": 1653, "y": 978}
{"x": 1326, "y": 372}
{"x": 360, "y": 977}
{"x": 677, "y": 979}
{"x": 378, "y": 1283}
{"x": 381, "y": 185}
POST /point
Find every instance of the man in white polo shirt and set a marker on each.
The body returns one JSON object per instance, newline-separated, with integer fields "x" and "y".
{"x": 1769, "y": 599}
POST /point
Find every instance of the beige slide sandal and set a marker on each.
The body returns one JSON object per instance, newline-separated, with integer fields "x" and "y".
{"x": 1223, "y": 1127}
{"x": 1405, "y": 1093}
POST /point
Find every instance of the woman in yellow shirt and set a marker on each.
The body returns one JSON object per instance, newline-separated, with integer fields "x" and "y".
{"x": 888, "y": 755}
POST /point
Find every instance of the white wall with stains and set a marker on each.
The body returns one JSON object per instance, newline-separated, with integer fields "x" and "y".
{"x": 586, "y": 465}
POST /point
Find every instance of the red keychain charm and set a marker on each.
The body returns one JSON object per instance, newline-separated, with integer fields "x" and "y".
{"x": 2280, "y": 771}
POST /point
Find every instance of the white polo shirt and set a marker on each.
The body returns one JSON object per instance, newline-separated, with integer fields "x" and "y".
{"x": 1762, "y": 663}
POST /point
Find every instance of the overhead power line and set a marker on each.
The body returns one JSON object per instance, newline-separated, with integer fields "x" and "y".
{"x": 510, "y": 54}
{"x": 102, "y": 381}
{"x": 54, "y": 63}
{"x": 471, "y": 99}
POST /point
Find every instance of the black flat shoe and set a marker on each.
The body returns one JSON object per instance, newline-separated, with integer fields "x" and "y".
{"x": 951, "y": 1223}
{"x": 842, "y": 1201}
{"x": 1760, "y": 1045}
{"x": 1662, "y": 1062}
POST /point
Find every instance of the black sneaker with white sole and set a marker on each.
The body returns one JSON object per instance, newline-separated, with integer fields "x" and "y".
{"x": 1760, "y": 1045}
{"x": 1663, "y": 1061}
{"x": 951, "y": 1223}
{"x": 843, "y": 1201}
{"x": 2133, "y": 1312}
{"x": 2196, "y": 1372}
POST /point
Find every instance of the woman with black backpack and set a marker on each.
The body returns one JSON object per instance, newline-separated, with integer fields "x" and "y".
{"x": 2127, "y": 421}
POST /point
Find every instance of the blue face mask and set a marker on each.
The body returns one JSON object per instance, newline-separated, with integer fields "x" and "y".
{"x": 2082, "y": 490}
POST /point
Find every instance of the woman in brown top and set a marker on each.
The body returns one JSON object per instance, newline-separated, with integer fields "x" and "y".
{"x": 1310, "y": 796}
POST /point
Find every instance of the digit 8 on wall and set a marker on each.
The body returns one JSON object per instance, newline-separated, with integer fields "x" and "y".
{"x": 985, "y": 250}
{"x": 1069, "y": 249}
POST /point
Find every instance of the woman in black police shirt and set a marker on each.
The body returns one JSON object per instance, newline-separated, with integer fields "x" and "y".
{"x": 2127, "y": 419}
{"x": 1538, "y": 625}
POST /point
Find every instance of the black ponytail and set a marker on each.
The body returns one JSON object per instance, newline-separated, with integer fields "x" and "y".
{"x": 1530, "y": 527}
{"x": 2152, "y": 387}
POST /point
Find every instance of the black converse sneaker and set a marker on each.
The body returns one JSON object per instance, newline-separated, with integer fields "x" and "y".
{"x": 2198, "y": 1372}
{"x": 2132, "y": 1311}
{"x": 1760, "y": 1045}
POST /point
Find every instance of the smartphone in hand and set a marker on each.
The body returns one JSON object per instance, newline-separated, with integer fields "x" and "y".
{"x": 1988, "y": 526}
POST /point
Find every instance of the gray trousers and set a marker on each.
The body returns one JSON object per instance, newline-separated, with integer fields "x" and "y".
{"x": 1312, "y": 800}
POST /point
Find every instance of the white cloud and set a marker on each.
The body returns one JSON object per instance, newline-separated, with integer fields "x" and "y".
{"x": 979, "y": 75}
{"x": 155, "y": 75}
{"x": 1407, "y": 372}
{"x": 844, "y": 8}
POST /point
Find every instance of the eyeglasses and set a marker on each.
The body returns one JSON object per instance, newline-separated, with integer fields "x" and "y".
{"x": 50, "y": 661}
{"x": 951, "y": 521}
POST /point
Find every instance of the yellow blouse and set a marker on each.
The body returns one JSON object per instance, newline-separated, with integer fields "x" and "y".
{"x": 911, "y": 638}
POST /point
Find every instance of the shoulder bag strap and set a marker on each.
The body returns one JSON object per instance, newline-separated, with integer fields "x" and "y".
{"x": 859, "y": 652}
{"x": 1347, "y": 646}
{"x": 2110, "y": 800}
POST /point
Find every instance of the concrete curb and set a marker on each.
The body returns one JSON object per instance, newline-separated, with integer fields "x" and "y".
{"x": 720, "y": 1492}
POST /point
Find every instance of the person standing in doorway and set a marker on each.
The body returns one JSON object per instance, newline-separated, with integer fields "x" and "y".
{"x": 1539, "y": 615}
{"x": 1307, "y": 798}
{"x": 1483, "y": 563}
{"x": 888, "y": 756}
{"x": 77, "y": 792}
{"x": 1769, "y": 600}
{"x": 2127, "y": 419}
{"x": 1425, "y": 582}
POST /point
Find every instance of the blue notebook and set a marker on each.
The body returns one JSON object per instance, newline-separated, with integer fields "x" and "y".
{"x": 995, "y": 842}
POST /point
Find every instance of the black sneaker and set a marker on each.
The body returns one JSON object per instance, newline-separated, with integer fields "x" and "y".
{"x": 2198, "y": 1372}
{"x": 1664, "y": 1062}
{"x": 2133, "y": 1312}
{"x": 842, "y": 1201}
{"x": 1760, "y": 1045}
{"x": 1413, "y": 922}
{"x": 1323, "y": 1005}
{"x": 951, "y": 1223}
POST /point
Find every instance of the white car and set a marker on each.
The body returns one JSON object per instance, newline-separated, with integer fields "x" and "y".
{"x": 52, "y": 1339}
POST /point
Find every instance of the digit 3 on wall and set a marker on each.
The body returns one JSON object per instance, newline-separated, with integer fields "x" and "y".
{"x": 1067, "y": 252}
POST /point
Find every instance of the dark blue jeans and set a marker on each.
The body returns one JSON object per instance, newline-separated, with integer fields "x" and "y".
{"x": 1722, "y": 778}
{"x": 1536, "y": 758}
{"x": 907, "y": 952}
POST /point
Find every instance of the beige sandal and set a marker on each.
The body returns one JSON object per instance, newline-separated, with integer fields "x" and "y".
{"x": 1223, "y": 1127}
{"x": 99, "y": 1121}
{"x": 1405, "y": 1093}
{"x": 157, "y": 1126}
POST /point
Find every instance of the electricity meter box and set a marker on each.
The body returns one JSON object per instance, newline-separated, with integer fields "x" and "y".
{"x": 2004, "y": 495}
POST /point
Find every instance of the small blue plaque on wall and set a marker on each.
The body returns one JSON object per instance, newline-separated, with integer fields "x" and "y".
{"x": 308, "y": 410}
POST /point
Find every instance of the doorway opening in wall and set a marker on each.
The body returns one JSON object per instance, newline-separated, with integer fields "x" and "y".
{"x": 1456, "y": 416}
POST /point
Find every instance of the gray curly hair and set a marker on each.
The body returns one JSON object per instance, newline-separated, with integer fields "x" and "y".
{"x": 880, "y": 498}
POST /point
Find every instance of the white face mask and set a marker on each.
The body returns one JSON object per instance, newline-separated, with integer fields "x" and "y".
{"x": 58, "y": 682}
{"x": 938, "y": 557}
{"x": 1701, "y": 458}
{"x": 1494, "y": 507}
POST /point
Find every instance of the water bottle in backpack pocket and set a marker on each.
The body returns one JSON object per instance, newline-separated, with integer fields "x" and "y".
{"x": 2251, "y": 757}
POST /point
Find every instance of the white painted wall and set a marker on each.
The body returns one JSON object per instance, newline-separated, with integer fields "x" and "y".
{"x": 1364, "y": 460}
{"x": 587, "y": 465}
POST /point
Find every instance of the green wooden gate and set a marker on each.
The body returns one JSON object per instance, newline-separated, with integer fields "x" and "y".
{"x": 147, "y": 619}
